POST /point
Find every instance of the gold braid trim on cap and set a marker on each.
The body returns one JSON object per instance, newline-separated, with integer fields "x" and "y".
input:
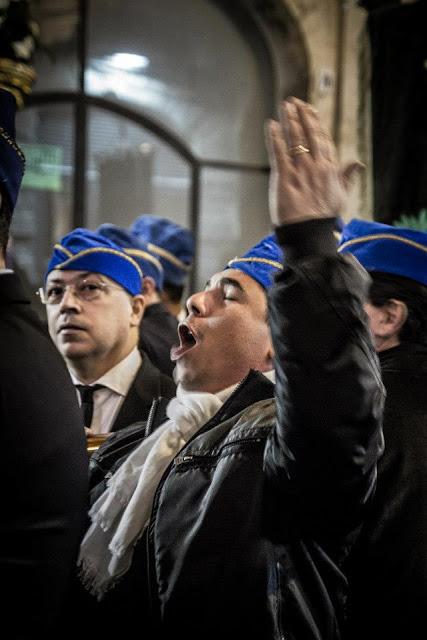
{"x": 146, "y": 256}
{"x": 382, "y": 236}
{"x": 72, "y": 257}
{"x": 272, "y": 263}
{"x": 168, "y": 256}
{"x": 63, "y": 249}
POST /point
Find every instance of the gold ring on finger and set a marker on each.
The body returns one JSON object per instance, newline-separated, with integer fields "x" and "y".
{"x": 300, "y": 148}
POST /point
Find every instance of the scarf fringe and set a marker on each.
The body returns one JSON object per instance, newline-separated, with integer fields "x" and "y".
{"x": 92, "y": 581}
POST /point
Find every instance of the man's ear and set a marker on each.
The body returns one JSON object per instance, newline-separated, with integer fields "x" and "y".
{"x": 148, "y": 286}
{"x": 395, "y": 315}
{"x": 138, "y": 307}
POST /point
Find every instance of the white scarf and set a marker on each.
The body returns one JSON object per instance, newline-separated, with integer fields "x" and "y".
{"x": 121, "y": 514}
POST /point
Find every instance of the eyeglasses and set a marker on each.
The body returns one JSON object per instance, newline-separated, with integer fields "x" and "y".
{"x": 87, "y": 290}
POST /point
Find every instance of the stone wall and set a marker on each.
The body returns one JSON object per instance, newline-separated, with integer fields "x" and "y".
{"x": 334, "y": 35}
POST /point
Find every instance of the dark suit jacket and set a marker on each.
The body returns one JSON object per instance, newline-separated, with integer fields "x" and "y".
{"x": 158, "y": 333}
{"x": 43, "y": 486}
{"x": 149, "y": 384}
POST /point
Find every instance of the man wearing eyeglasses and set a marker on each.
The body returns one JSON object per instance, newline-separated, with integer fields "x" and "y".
{"x": 94, "y": 307}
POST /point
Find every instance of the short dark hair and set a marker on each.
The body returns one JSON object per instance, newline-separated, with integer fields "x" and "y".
{"x": 174, "y": 291}
{"x": 386, "y": 286}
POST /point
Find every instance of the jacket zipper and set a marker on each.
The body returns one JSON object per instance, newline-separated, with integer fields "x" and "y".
{"x": 150, "y": 418}
{"x": 186, "y": 459}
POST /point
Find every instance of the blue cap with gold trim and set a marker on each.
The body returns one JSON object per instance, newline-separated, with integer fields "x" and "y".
{"x": 137, "y": 249}
{"x": 85, "y": 250}
{"x": 171, "y": 243}
{"x": 261, "y": 262}
{"x": 387, "y": 249}
{"x": 12, "y": 160}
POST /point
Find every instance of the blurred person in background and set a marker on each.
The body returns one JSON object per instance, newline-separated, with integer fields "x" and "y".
{"x": 158, "y": 328}
{"x": 174, "y": 246}
{"x": 388, "y": 566}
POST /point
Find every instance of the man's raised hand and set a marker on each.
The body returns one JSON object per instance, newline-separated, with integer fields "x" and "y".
{"x": 306, "y": 180}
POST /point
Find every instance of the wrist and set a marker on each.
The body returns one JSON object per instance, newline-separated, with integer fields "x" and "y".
{"x": 312, "y": 236}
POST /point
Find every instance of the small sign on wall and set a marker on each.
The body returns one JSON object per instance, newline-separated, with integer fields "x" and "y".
{"x": 43, "y": 167}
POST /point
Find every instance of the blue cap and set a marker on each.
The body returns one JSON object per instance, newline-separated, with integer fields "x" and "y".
{"x": 381, "y": 247}
{"x": 137, "y": 249}
{"x": 262, "y": 262}
{"x": 85, "y": 250}
{"x": 12, "y": 160}
{"x": 171, "y": 243}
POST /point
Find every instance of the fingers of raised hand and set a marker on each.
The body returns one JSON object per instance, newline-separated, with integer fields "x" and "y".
{"x": 293, "y": 130}
{"x": 319, "y": 141}
{"x": 276, "y": 147}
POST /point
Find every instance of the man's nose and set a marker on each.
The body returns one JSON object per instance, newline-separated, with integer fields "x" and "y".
{"x": 69, "y": 300}
{"x": 197, "y": 304}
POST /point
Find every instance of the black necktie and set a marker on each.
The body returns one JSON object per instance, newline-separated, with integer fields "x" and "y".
{"x": 86, "y": 395}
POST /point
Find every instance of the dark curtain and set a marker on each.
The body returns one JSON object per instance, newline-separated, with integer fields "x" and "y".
{"x": 398, "y": 38}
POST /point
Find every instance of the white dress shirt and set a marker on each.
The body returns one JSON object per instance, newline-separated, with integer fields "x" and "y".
{"x": 117, "y": 382}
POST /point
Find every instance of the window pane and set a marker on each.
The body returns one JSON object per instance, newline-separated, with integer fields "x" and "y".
{"x": 44, "y": 209}
{"x": 130, "y": 172}
{"x": 186, "y": 64}
{"x": 234, "y": 216}
{"x": 55, "y": 60}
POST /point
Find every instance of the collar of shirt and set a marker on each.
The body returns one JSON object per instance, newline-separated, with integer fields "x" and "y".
{"x": 121, "y": 376}
{"x": 116, "y": 383}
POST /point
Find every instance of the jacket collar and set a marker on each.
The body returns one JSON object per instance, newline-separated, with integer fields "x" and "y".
{"x": 251, "y": 389}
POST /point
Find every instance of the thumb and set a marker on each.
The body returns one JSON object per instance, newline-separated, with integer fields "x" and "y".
{"x": 349, "y": 173}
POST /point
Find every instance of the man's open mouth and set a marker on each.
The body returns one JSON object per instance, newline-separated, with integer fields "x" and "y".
{"x": 187, "y": 340}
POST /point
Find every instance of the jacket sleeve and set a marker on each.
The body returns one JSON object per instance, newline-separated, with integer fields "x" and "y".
{"x": 322, "y": 454}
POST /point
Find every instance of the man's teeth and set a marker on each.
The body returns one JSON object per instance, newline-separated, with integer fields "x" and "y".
{"x": 186, "y": 336}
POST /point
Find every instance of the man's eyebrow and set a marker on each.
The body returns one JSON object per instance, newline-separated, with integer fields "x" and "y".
{"x": 232, "y": 282}
{"x": 56, "y": 280}
{"x": 226, "y": 281}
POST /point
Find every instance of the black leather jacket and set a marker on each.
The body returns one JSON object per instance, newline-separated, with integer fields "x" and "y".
{"x": 252, "y": 521}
